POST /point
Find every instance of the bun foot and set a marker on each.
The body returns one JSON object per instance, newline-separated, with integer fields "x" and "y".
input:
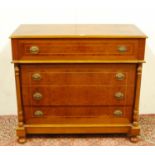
{"x": 134, "y": 139}
{"x": 21, "y": 140}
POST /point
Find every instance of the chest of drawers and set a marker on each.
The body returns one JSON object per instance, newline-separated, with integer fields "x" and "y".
{"x": 78, "y": 79}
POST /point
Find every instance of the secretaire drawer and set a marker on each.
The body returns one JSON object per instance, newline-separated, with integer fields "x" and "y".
{"x": 76, "y": 115}
{"x": 77, "y": 49}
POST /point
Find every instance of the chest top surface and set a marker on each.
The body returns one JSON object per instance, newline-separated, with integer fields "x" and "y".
{"x": 77, "y": 31}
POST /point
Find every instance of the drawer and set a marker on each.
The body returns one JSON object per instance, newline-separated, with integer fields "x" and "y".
{"x": 77, "y": 49}
{"x": 78, "y": 95}
{"x": 80, "y": 114}
{"x": 78, "y": 74}
{"x": 78, "y": 84}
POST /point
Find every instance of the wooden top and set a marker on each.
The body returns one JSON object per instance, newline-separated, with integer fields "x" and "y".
{"x": 78, "y": 31}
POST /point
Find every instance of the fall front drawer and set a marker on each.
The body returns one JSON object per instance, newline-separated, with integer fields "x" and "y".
{"x": 78, "y": 49}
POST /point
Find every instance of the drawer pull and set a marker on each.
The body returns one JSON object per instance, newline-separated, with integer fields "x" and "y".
{"x": 34, "y": 49}
{"x": 122, "y": 48}
{"x": 37, "y": 96}
{"x": 36, "y": 76}
{"x": 119, "y": 95}
{"x": 120, "y": 76}
{"x": 38, "y": 113}
{"x": 118, "y": 113}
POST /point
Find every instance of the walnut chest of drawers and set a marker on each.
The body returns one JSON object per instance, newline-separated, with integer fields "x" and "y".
{"x": 78, "y": 79}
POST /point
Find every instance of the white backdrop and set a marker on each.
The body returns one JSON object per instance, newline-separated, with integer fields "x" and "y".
{"x": 16, "y": 12}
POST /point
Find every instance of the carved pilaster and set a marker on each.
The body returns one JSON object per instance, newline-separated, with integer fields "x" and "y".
{"x": 20, "y": 129}
{"x": 137, "y": 95}
{"x": 135, "y": 129}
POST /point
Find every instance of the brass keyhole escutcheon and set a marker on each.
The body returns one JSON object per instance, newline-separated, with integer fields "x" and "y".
{"x": 120, "y": 76}
{"x": 34, "y": 49}
{"x": 38, "y": 113}
{"x": 36, "y": 76}
{"x": 37, "y": 96}
{"x": 122, "y": 49}
{"x": 119, "y": 95}
{"x": 118, "y": 113}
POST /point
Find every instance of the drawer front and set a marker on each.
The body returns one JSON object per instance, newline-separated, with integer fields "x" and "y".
{"x": 78, "y": 84}
{"x": 80, "y": 114}
{"x": 77, "y": 49}
{"x": 78, "y": 95}
{"x": 78, "y": 74}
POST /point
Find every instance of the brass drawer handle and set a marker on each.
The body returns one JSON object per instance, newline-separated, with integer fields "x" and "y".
{"x": 34, "y": 49}
{"x": 36, "y": 76}
{"x": 120, "y": 76}
{"x": 122, "y": 48}
{"x": 37, "y": 96}
{"x": 38, "y": 113}
{"x": 118, "y": 113}
{"x": 119, "y": 95}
